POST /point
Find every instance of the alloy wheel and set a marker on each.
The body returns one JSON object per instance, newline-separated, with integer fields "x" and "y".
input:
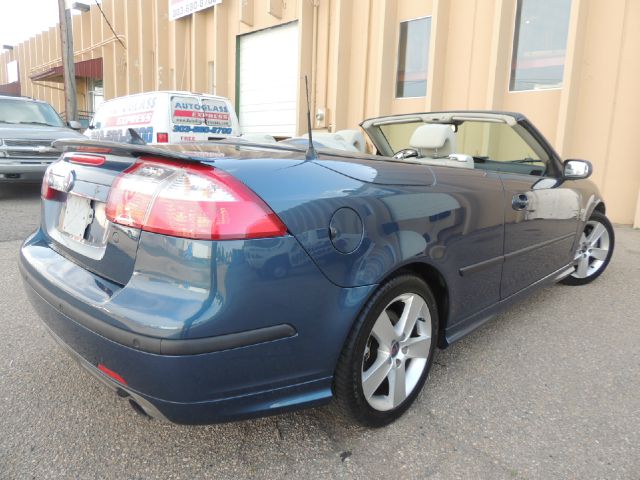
{"x": 592, "y": 251}
{"x": 396, "y": 352}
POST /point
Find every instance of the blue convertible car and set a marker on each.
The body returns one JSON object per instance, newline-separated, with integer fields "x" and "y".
{"x": 220, "y": 281}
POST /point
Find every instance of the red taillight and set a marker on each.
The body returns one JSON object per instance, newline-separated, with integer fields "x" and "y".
{"x": 162, "y": 137}
{"x": 190, "y": 201}
{"x": 111, "y": 374}
{"x": 46, "y": 192}
{"x": 131, "y": 193}
{"x": 85, "y": 159}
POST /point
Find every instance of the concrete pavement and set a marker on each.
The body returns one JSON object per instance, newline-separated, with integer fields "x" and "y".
{"x": 550, "y": 389}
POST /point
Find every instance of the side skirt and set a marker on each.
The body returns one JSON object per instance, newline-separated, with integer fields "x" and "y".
{"x": 469, "y": 324}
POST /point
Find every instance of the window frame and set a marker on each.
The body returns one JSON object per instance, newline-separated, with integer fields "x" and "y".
{"x": 397, "y": 58}
{"x": 371, "y": 126}
{"x": 514, "y": 53}
{"x": 529, "y": 139}
{"x": 554, "y": 162}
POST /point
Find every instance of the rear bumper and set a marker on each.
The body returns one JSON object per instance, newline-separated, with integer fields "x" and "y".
{"x": 155, "y": 345}
{"x": 122, "y": 390}
{"x": 90, "y": 349}
{"x": 203, "y": 380}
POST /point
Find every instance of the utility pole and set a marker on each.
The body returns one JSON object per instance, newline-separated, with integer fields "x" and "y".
{"x": 68, "y": 65}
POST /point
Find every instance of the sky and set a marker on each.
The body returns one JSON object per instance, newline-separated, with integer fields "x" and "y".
{"x": 22, "y": 19}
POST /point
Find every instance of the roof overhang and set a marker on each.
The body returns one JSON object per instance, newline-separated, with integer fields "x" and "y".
{"x": 84, "y": 69}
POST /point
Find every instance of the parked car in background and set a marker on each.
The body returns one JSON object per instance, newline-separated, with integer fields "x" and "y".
{"x": 27, "y": 129}
{"x": 165, "y": 117}
{"x": 218, "y": 281}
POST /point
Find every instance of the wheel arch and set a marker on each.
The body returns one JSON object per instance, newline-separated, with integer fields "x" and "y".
{"x": 438, "y": 285}
{"x": 600, "y": 207}
{"x": 435, "y": 281}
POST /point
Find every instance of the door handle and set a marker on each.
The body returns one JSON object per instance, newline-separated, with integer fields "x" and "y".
{"x": 520, "y": 201}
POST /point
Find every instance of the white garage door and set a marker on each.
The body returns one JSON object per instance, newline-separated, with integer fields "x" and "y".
{"x": 269, "y": 81}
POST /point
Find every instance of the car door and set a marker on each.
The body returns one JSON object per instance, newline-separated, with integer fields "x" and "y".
{"x": 460, "y": 213}
{"x": 540, "y": 212}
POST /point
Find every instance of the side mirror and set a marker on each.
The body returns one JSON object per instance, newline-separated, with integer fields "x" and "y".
{"x": 75, "y": 125}
{"x": 576, "y": 169}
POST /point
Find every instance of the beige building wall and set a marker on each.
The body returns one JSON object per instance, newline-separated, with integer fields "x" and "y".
{"x": 348, "y": 48}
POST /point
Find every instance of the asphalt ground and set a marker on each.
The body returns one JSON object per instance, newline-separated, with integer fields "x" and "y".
{"x": 549, "y": 389}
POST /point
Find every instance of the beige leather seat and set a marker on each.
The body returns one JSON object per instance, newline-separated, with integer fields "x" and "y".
{"x": 435, "y": 142}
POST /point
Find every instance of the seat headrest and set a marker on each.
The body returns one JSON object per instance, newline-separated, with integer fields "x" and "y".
{"x": 430, "y": 136}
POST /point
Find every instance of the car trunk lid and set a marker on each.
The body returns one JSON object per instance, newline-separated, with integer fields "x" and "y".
{"x": 74, "y": 216}
{"x": 75, "y": 219}
{"x": 100, "y": 196}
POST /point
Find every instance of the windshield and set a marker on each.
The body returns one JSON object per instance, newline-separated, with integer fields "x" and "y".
{"x": 30, "y": 113}
{"x": 488, "y": 143}
{"x": 398, "y": 134}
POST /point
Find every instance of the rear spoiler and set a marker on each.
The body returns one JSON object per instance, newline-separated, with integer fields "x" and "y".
{"x": 122, "y": 149}
{"x": 207, "y": 151}
{"x": 184, "y": 151}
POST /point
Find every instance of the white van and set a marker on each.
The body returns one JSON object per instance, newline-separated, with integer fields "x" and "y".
{"x": 165, "y": 117}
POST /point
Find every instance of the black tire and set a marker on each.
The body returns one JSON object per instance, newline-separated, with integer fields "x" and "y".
{"x": 349, "y": 396}
{"x": 602, "y": 219}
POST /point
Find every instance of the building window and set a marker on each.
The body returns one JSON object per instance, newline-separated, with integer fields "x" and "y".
{"x": 539, "y": 44}
{"x": 96, "y": 93}
{"x": 413, "y": 58}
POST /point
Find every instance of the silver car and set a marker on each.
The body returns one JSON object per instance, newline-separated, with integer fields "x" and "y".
{"x": 27, "y": 128}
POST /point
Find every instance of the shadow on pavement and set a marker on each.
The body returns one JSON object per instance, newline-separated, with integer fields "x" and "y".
{"x": 19, "y": 190}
